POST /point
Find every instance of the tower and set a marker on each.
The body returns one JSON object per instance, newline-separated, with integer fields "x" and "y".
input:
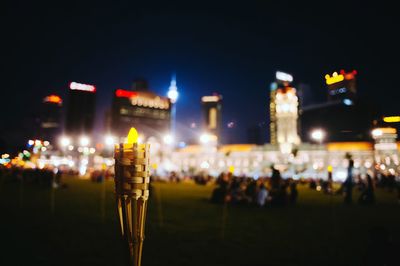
{"x": 286, "y": 118}
{"x": 211, "y": 107}
{"x": 173, "y": 95}
{"x": 283, "y": 112}
{"x": 272, "y": 114}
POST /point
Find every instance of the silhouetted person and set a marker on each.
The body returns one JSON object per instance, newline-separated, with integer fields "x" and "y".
{"x": 278, "y": 189}
{"x": 368, "y": 194}
{"x": 348, "y": 184}
{"x": 293, "y": 192}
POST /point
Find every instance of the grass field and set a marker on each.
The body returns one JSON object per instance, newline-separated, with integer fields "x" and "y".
{"x": 78, "y": 226}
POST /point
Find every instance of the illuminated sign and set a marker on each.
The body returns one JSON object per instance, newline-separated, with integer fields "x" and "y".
{"x": 335, "y": 78}
{"x": 148, "y": 101}
{"x": 82, "y": 87}
{"x": 391, "y": 119}
{"x": 378, "y": 132}
{"x": 283, "y": 76}
{"x": 337, "y": 91}
{"x": 53, "y": 99}
{"x": 125, "y": 94}
{"x": 206, "y": 99}
{"x": 348, "y": 75}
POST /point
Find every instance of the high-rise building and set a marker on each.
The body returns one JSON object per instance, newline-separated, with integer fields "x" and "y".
{"x": 344, "y": 117}
{"x": 148, "y": 112}
{"x": 284, "y": 113}
{"x": 272, "y": 113}
{"x": 342, "y": 86}
{"x": 50, "y": 118}
{"x": 80, "y": 109}
{"x": 212, "y": 118}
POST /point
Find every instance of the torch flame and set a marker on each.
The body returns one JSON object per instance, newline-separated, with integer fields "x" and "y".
{"x": 132, "y": 136}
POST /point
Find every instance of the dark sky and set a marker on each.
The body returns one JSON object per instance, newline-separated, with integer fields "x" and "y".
{"x": 233, "y": 49}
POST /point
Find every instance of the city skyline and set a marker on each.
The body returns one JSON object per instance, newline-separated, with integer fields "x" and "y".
{"x": 229, "y": 49}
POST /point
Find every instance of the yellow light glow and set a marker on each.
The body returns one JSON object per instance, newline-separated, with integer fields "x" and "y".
{"x": 231, "y": 169}
{"x": 391, "y": 119}
{"x": 132, "y": 136}
{"x": 330, "y": 168}
{"x": 335, "y": 78}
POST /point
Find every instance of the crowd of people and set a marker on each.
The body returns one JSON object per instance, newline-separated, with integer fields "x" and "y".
{"x": 46, "y": 177}
{"x": 274, "y": 191}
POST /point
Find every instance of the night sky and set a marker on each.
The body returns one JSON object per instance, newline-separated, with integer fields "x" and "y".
{"x": 233, "y": 49}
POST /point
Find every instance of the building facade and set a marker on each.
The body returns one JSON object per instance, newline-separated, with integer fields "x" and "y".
{"x": 148, "y": 112}
{"x": 80, "y": 110}
{"x": 51, "y": 118}
{"x": 342, "y": 86}
{"x": 212, "y": 114}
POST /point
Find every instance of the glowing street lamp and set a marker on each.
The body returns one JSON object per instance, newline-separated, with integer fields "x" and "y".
{"x": 109, "y": 140}
{"x": 168, "y": 139}
{"x": 84, "y": 141}
{"x": 65, "y": 141}
{"x": 206, "y": 138}
{"x": 318, "y": 135}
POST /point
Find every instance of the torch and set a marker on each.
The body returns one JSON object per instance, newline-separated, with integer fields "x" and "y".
{"x": 132, "y": 180}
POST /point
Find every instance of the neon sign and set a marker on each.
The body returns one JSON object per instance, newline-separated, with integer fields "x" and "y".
{"x": 53, "y": 99}
{"x": 125, "y": 94}
{"x": 335, "y": 78}
{"x": 82, "y": 87}
{"x": 283, "y": 76}
{"x": 391, "y": 119}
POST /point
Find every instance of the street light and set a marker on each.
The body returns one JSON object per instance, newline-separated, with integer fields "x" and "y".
{"x": 318, "y": 135}
{"x": 168, "y": 139}
{"x": 109, "y": 140}
{"x": 206, "y": 138}
{"x": 65, "y": 141}
{"x": 84, "y": 141}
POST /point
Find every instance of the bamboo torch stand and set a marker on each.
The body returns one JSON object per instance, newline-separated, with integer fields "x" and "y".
{"x": 132, "y": 180}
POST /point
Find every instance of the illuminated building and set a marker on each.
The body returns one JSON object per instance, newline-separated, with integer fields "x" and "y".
{"x": 286, "y": 118}
{"x": 50, "y": 118}
{"x": 311, "y": 160}
{"x": 173, "y": 95}
{"x": 212, "y": 110}
{"x": 386, "y": 149}
{"x": 80, "y": 109}
{"x": 342, "y": 86}
{"x": 272, "y": 114}
{"x": 283, "y": 113}
{"x": 343, "y": 117}
{"x": 148, "y": 112}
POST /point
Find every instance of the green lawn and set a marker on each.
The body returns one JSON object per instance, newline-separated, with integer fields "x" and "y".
{"x": 72, "y": 226}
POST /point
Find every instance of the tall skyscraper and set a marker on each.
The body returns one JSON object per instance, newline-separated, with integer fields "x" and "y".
{"x": 50, "y": 118}
{"x": 212, "y": 110}
{"x": 342, "y": 86}
{"x": 80, "y": 109}
{"x": 148, "y": 112}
